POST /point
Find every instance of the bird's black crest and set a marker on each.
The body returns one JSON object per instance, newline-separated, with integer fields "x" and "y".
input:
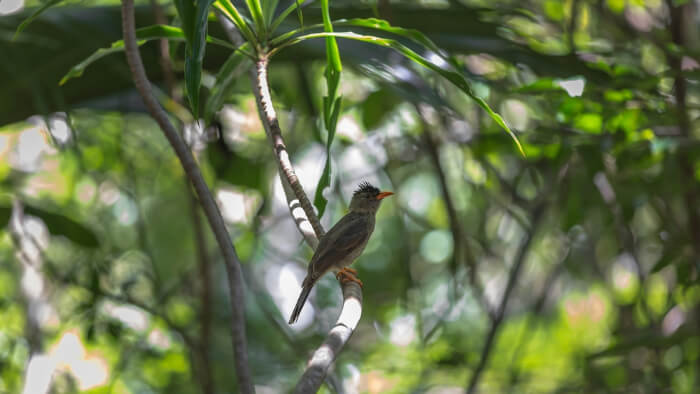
{"x": 366, "y": 187}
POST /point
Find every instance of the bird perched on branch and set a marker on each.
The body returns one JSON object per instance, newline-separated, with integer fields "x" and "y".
{"x": 343, "y": 243}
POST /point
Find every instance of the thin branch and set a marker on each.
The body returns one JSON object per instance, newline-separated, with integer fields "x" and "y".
{"x": 233, "y": 268}
{"x": 308, "y": 224}
{"x": 324, "y": 356}
{"x": 303, "y": 214}
{"x": 272, "y": 127}
{"x": 678, "y": 14}
{"x": 500, "y": 313}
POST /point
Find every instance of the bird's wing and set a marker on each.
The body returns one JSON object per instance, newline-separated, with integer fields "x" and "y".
{"x": 346, "y": 236}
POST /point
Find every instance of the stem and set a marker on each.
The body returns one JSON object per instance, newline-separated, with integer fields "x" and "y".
{"x": 233, "y": 268}
{"x": 273, "y": 130}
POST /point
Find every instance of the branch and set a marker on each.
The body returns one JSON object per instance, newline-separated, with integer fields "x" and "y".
{"x": 324, "y": 356}
{"x": 680, "y": 89}
{"x": 216, "y": 222}
{"x": 272, "y": 128}
{"x": 303, "y": 214}
{"x": 500, "y": 313}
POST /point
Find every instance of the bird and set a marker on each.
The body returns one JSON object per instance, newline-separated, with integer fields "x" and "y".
{"x": 345, "y": 241}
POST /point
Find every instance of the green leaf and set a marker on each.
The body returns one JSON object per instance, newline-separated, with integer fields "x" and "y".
{"x": 411, "y": 34}
{"x": 231, "y": 12}
{"x": 257, "y": 14}
{"x": 143, "y": 34}
{"x": 454, "y": 77}
{"x": 331, "y": 104}
{"x": 589, "y": 122}
{"x": 325, "y": 179}
{"x": 269, "y": 7}
{"x": 225, "y": 81}
{"x": 194, "y": 17}
{"x": 34, "y": 15}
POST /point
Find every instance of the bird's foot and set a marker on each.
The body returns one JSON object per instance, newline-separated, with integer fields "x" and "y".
{"x": 348, "y": 275}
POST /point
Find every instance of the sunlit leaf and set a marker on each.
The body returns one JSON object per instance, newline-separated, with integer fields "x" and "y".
{"x": 454, "y": 77}
{"x": 231, "y": 12}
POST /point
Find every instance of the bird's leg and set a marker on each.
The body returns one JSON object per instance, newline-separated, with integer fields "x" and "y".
{"x": 348, "y": 275}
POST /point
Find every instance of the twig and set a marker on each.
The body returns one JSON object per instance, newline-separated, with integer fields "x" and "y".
{"x": 500, "y": 313}
{"x": 233, "y": 268}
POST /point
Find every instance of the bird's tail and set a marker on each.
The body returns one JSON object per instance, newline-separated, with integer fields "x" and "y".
{"x": 305, "y": 290}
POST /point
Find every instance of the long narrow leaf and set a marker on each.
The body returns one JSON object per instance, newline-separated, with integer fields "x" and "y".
{"x": 225, "y": 81}
{"x": 194, "y": 16}
{"x": 269, "y": 7}
{"x": 231, "y": 12}
{"x": 35, "y": 15}
{"x": 456, "y": 78}
{"x": 331, "y": 104}
{"x": 257, "y": 14}
{"x": 143, "y": 34}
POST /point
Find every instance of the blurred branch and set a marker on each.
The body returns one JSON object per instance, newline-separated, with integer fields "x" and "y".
{"x": 205, "y": 295}
{"x": 537, "y": 307}
{"x": 460, "y": 241}
{"x": 679, "y": 13}
{"x": 500, "y": 313}
{"x": 233, "y": 269}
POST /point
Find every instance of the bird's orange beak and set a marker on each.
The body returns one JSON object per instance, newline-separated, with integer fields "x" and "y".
{"x": 383, "y": 194}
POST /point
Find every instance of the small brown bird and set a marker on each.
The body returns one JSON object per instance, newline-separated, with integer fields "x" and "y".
{"x": 343, "y": 243}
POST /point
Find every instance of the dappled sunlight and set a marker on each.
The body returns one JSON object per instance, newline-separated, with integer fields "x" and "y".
{"x": 403, "y": 330}
{"x": 283, "y": 282}
{"x": 130, "y": 316}
{"x": 574, "y": 86}
{"x": 11, "y": 6}
{"x": 237, "y": 207}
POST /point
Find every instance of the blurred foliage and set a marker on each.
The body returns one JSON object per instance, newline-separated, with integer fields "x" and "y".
{"x": 597, "y": 228}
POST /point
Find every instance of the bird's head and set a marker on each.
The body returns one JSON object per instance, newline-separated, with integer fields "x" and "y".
{"x": 367, "y": 198}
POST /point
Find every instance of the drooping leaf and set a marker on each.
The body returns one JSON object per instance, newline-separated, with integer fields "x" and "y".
{"x": 454, "y": 77}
